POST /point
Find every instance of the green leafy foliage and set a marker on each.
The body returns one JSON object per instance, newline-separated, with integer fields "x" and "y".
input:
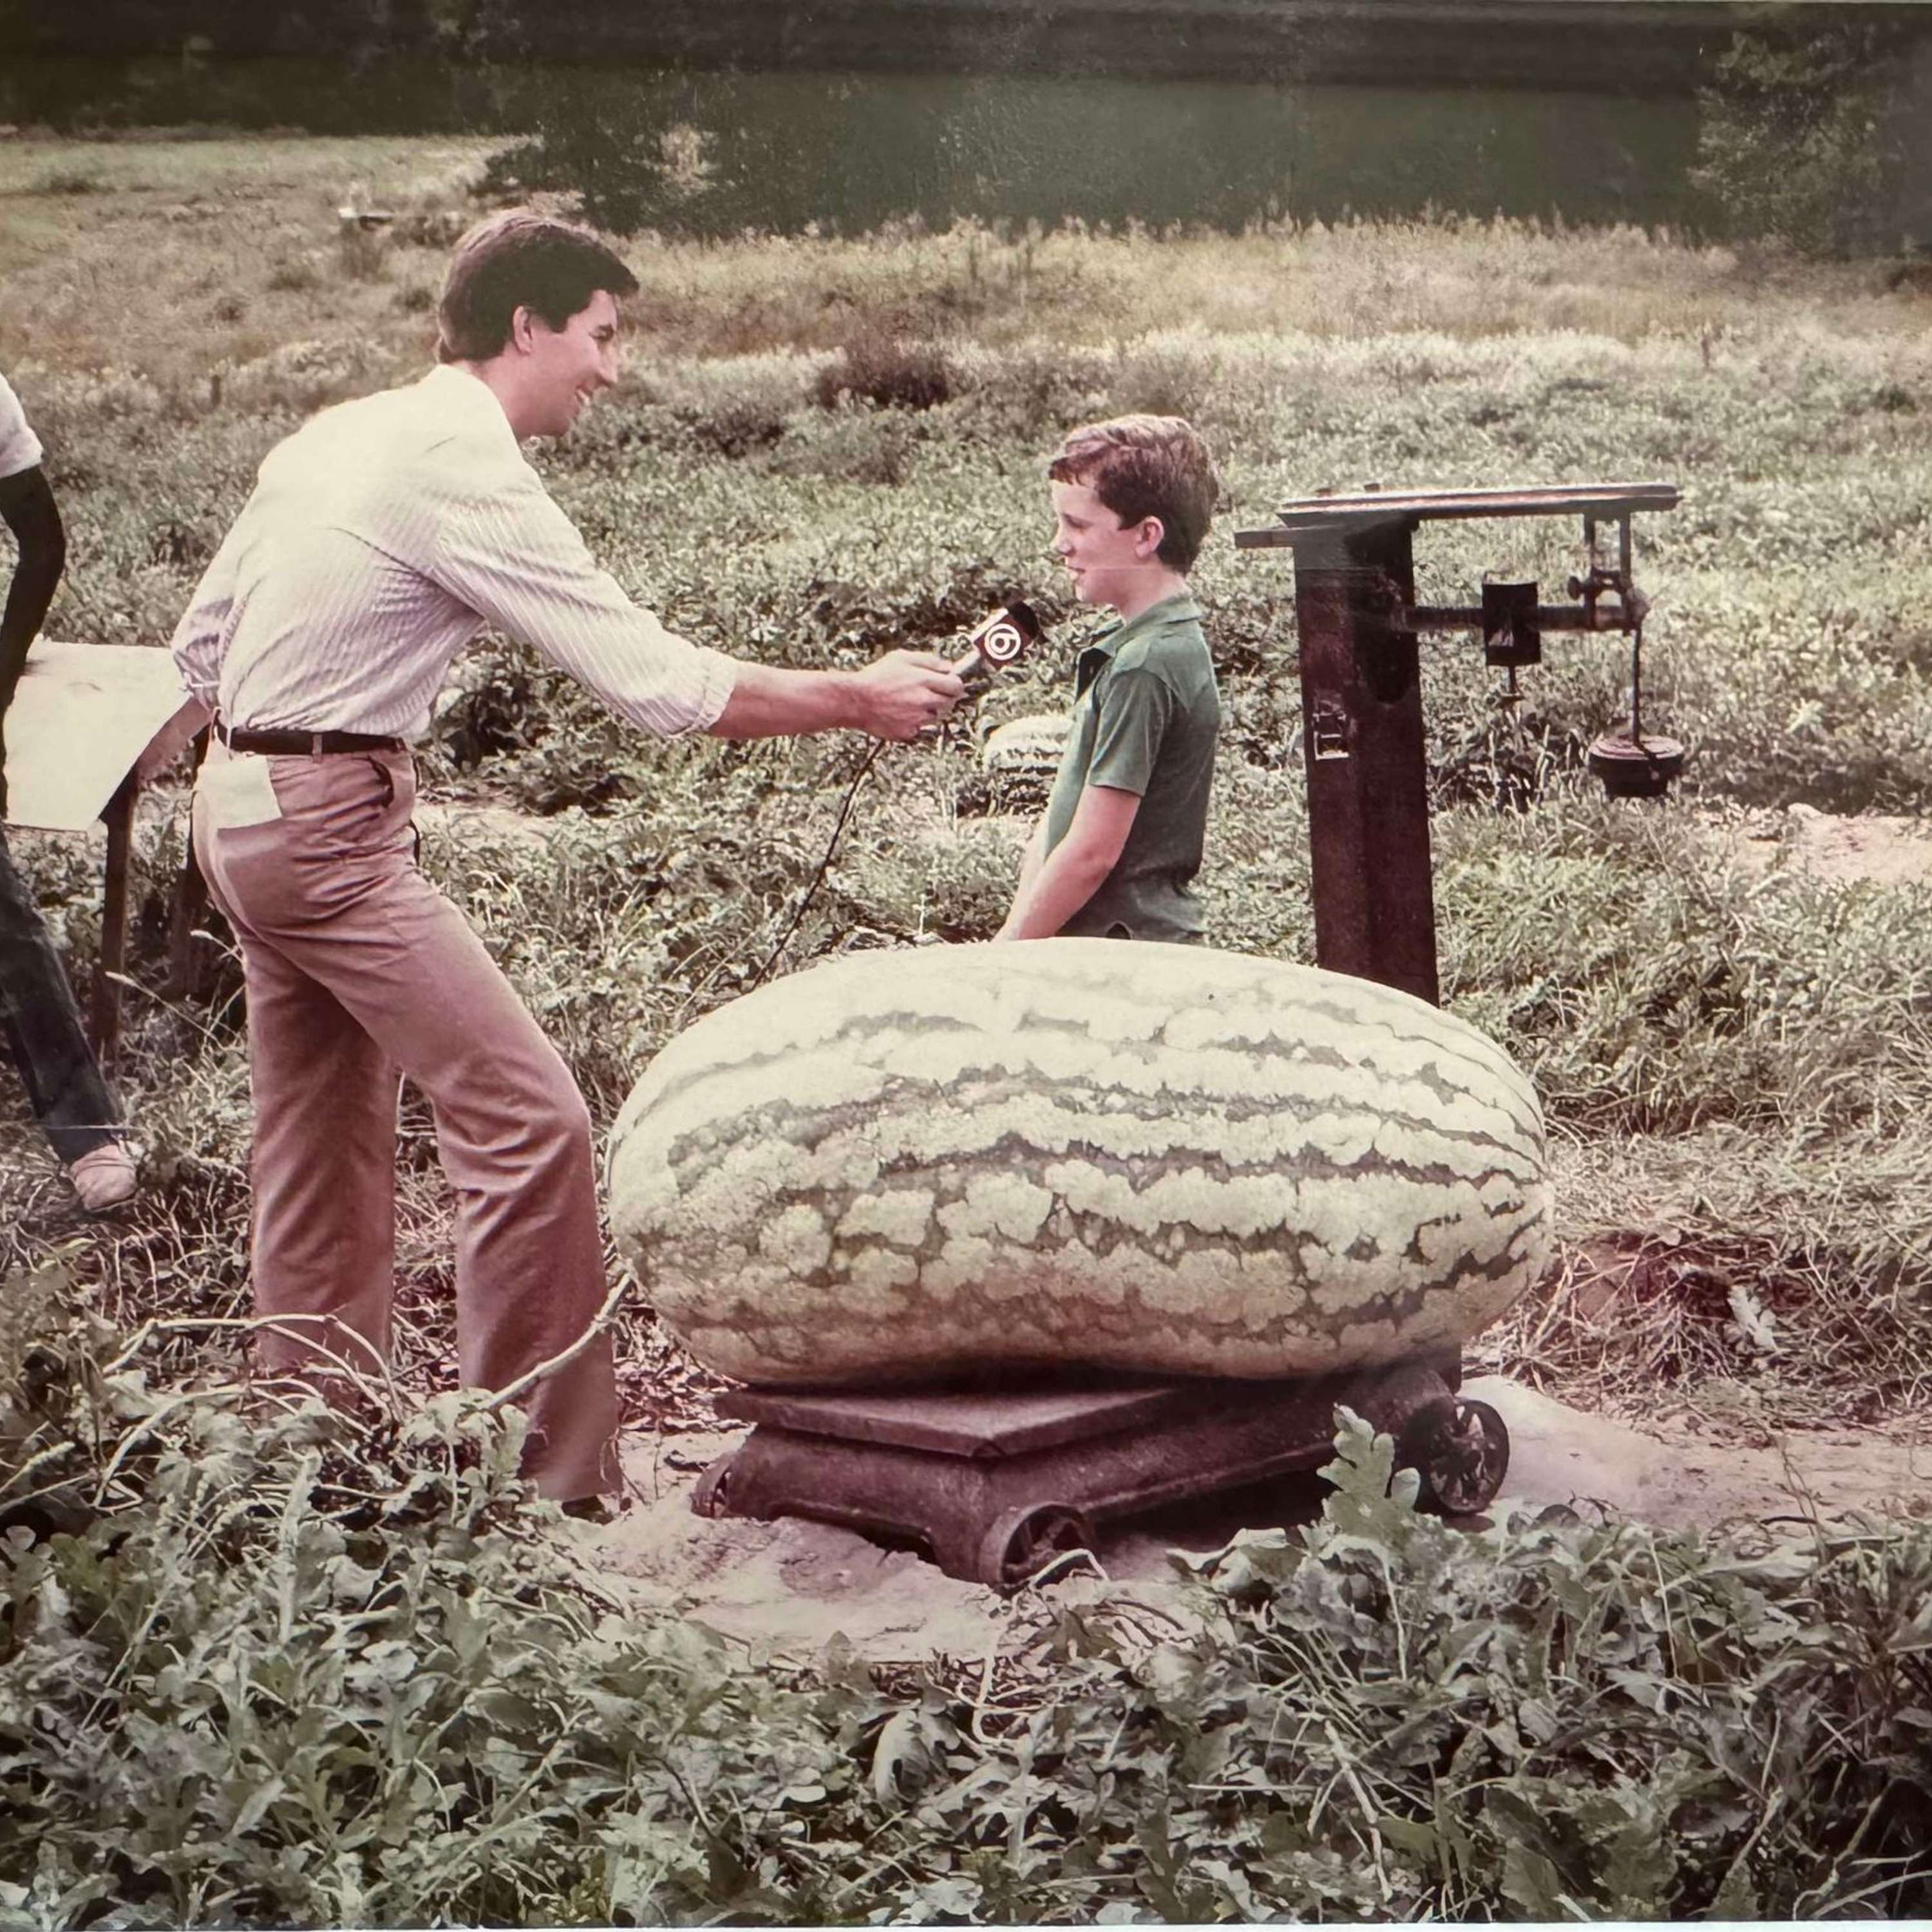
{"x": 1561, "y": 1720}
{"x": 1802, "y": 136}
{"x": 264, "y": 1664}
{"x": 1670, "y": 988}
{"x": 274, "y": 1667}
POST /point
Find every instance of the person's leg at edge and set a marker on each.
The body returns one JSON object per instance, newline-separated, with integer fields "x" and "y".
{"x": 73, "y": 1103}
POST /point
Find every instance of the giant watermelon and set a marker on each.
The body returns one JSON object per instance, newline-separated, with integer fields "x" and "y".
{"x": 1165, "y": 1158}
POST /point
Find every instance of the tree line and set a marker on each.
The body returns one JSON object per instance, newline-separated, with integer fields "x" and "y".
{"x": 1654, "y": 46}
{"x": 1815, "y": 120}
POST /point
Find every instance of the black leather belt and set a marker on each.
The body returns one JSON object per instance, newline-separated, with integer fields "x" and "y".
{"x": 277, "y": 744}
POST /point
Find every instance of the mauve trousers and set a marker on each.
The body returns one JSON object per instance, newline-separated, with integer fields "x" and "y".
{"x": 357, "y": 968}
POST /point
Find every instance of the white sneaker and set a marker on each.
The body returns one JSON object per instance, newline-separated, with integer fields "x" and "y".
{"x": 104, "y": 1177}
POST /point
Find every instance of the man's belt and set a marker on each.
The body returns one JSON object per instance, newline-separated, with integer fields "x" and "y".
{"x": 289, "y": 744}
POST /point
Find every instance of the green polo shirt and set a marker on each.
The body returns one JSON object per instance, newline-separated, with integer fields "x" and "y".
{"x": 1146, "y": 713}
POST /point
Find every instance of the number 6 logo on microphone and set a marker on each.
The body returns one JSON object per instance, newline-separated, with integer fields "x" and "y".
{"x": 1002, "y": 638}
{"x": 1002, "y": 643}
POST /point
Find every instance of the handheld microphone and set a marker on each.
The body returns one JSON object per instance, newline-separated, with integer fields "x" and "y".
{"x": 1001, "y": 638}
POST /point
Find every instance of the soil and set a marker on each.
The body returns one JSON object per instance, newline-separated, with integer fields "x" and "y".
{"x": 1890, "y": 851}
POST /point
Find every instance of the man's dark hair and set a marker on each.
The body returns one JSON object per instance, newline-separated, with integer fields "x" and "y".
{"x": 520, "y": 259}
{"x": 1143, "y": 466}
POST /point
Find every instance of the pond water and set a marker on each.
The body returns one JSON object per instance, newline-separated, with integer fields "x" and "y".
{"x": 726, "y": 152}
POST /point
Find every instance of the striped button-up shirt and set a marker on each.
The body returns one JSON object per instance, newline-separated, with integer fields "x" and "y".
{"x": 380, "y": 537}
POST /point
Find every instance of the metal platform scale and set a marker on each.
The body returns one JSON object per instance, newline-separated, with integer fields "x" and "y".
{"x": 992, "y": 1485}
{"x": 993, "y": 1480}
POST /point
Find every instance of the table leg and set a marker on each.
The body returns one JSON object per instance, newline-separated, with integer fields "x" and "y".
{"x": 189, "y": 907}
{"x": 119, "y": 817}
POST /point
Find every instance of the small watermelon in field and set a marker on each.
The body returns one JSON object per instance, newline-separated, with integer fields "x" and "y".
{"x": 1031, "y": 746}
{"x": 1165, "y": 1158}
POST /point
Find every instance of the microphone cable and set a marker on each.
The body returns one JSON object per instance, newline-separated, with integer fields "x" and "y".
{"x": 1001, "y": 639}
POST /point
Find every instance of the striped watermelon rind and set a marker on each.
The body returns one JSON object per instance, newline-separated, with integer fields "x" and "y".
{"x": 1163, "y": 1158}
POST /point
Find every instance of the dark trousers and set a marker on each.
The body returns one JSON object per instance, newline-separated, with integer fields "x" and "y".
{"x": 64, "y": 1088}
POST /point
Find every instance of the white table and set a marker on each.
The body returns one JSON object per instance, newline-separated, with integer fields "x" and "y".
{"x": 88, "y": 722}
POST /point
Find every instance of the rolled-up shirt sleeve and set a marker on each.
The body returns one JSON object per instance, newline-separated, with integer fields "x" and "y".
{"x": 513, "y": 556}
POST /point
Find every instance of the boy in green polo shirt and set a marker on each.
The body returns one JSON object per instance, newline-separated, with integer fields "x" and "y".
{"x": 1117, "y": 849}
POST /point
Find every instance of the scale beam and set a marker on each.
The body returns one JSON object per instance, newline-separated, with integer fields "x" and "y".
{"x": 1365, "y": 508}
{"x": 1363, "y": 739}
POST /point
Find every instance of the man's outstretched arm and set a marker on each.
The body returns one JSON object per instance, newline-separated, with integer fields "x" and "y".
{"x": 504, "y": 549}
{"x": 896, "y": 696}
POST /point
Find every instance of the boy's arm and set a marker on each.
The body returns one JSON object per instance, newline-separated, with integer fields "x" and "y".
{"x": 1053, "y": 888}
{"x": 1031, "y": 860}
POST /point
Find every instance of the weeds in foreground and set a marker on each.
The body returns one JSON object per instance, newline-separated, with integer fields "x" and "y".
{"x": 305, "y": 1669}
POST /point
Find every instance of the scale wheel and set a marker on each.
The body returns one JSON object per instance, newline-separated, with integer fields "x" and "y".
{"x": 708, "y": 1493}
{"x": 1023, "y": 1541}
{"x": 1460, "y": 1449}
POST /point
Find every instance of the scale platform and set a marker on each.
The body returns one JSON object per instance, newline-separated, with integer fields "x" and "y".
{"x": 992, "y": 1483}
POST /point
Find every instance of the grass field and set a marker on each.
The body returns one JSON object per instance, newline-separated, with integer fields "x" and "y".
{"x": 1734, "y": 1056}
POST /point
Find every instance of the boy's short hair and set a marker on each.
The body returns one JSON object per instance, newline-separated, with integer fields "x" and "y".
{"x": 520, "y": 259}
{"x": 1143, "y": 466}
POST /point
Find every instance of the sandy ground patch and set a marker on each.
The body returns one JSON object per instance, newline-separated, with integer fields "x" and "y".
{"x": 1887, "y": 850}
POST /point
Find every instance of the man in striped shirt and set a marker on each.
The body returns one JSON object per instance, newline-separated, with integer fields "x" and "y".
{"x": 380, "y": 537}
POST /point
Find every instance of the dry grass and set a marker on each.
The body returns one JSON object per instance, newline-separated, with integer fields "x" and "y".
{"x": 1466, "y": 280}
{"x": 130, "y": 276}
{"x": 1727, "y": 1273}
{"x": 207, "y": 219}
